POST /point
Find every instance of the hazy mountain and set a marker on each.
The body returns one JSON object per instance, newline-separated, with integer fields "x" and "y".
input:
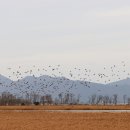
{"x": 120, "y": 88}
{"x": 56, "y": 85}
{"x": 4, "y": 83}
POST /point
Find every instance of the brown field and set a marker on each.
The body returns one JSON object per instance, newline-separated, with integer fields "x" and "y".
{"x": 67, "y": 107}
{"x": 63, "y": 121}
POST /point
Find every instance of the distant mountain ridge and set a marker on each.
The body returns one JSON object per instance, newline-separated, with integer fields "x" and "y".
{"x": 55, "y": 85}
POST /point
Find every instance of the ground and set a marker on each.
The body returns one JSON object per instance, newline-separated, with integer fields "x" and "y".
{"x": 13, "y": 120}
{"x": 67, "y": 107}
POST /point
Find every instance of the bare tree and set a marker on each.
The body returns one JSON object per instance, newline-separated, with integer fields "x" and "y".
{"x": 128, "y": 101}
{"x": 99, "y": 99}
{"x": 42, "y": 100}
{"x": 60, "y": 97}
{"x": 92, "y": 99}
{"x": 124, "y": 98}
{"x": 115, "y": 99}
{"x": 66, "y": 98}
{"x": 49, "y": 99}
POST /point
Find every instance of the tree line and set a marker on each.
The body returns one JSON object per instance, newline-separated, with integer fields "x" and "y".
{"x": 6, "y": 98}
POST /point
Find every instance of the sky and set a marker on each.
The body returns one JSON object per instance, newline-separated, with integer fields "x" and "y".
{"x": 68, "y": 32}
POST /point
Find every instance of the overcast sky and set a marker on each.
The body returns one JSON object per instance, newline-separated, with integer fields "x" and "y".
{"x": 67, "y": 32}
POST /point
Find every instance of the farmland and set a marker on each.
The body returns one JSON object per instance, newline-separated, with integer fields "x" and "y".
{"x": 23, "y": 118}
{"x": 11, "y": 120}
{"x": 67, "y": 107}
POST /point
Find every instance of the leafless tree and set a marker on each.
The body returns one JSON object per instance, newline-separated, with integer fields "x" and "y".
{"x": 92, "y": 99}
{"x": 99, "y": 99}
{"x": 128, "y": 101}
{"x": 60, "y": 97}
{"x": 124, "y": 98}
{"x": 115, "y": 99}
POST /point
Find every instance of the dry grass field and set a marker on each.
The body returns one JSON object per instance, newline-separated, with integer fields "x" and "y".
{"x": 67, "y": 107}
{"x": 63, "y": 121}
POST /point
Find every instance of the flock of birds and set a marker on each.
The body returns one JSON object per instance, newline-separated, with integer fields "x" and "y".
{"x": 56, "y": 79}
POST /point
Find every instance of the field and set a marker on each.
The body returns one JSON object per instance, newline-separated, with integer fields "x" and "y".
{"x": 11, "y": 120}
{"x": 67, "y": 107}
{"x": 43, "y": 120}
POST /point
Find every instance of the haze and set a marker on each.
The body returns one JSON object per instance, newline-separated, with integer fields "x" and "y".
{"x": 67, "y": 32}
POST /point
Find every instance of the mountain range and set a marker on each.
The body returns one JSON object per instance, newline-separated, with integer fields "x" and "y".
{"x": 55, "y": 85}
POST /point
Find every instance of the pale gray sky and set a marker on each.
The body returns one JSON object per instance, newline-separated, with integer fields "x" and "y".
{"x": 67, "y": 32}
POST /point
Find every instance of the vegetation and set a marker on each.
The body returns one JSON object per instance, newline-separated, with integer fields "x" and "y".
{"x": 8, "y": 99}
{"x": 64, "y": 121}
